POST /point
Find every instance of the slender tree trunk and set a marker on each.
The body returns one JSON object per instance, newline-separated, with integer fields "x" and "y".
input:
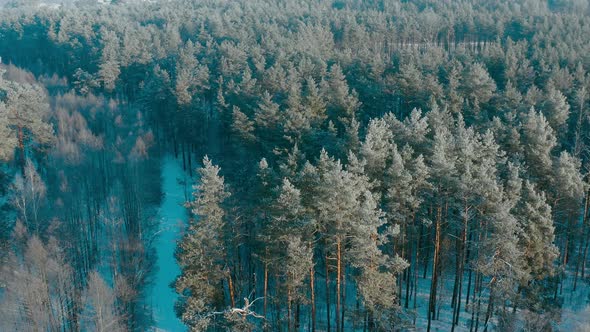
{"x": 435, "y": 262}
{"x": 580, "y": 251}
{"x": 584, "y": 246}
{"x": 567, "y": 240}
{"x": 463, "y": 258}
{"x": 183, "y": 157}
{"x": 230, "y": 283}
{"x": 327, "y": 291}
{"x": 289, "y": 310}
{"x": 490, "y": 307}
{"x": 265, "y": 284}
{"x": 585, "y": 259}
{"x": 297, "y": 315}
{"x": 457, "y": 268}
{"x": 343, "y": 309}
{"x": 470, "y": 276}
{"x": 427, "y": 254}
{"x": 416, "y": 278}
{"x": 175, "y": 146}
{"x": 410, "y": 252}
{"x": 478, "y": 304}
{"x": 312, "y": 291}
{"x": 338, "y": 281}
{"x": 277, "y": 312}
{"x": 190, "y": 163}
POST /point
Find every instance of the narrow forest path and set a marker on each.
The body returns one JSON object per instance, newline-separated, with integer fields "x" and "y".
{"x": 172, "y": 218}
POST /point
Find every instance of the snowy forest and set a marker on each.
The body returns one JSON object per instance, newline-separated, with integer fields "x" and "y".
{"x": 295, "y": 165}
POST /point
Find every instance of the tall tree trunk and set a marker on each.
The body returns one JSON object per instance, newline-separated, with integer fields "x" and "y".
{"x": 435, "y": 268}
{"x": 297, "y": 315}
{"x": 585, "y": 258}
{"x": 463, "y": 259}
{"x": 232, "y": 294}
{"x": 289, "y": 310}
{"x": 584, "y": 245}
{"x": 467, "y": 254}
{"x": 416, "y": 275}
{"x": 327, "y": 279}
{"x": 490, "y": 307}
{"x": 183, "y": 157}
{"x": 478, "y": 302}
{"x": 265, "y": 284}
{"x": 410, "y": 242}
{"x": 312, "y": 291}
{"x": 343, "y": 309}
{"x": 338, "y": 281}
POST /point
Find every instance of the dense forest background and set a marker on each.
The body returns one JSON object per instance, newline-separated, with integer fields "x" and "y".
{"x": 359, "y": 165}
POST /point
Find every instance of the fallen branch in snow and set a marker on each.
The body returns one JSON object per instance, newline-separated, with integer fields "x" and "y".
{"x": 245, "y": 311}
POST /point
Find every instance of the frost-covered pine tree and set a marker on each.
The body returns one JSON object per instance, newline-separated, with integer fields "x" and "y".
{"x": 555, "y": 107}
{"x": 267, "y": 115}
{"x": 24, "y": 117}
{"x": 538, "y": 141}
{"x": 376, "y": 280}
{"x": 377, "y": 147}
{"x": 242, "y": 126}
{"x": 477, "y": 85}
{"x": 202, "y": 253}
{"x": 191, "y": 76}
{"x": 344, "y": 102}
{"x": 536, "y": 240}
{"x": 109, "y": 67}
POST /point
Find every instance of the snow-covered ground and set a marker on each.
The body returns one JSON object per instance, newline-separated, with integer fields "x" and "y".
{"x": 575, "y": 313}
{"x": 173, "y": 217}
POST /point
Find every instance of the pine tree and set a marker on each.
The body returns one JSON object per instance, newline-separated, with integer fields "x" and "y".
{"x": 568, "y": 190}
{"x": 538, "y": 141}
{"x": 568, "y": 181}
{"x": 377, "y": 147}
{"x": 8, "y": 140}
{"x": 202, "y": 252}
{"x": 109, "y": 68}
{"x": 298, "y": 264}
{"x": 501, "y": 258}
{"x": 315, "y": 106}
{"x": 191, "y": 77}
{"x": 405, "y": 181}
{"x": 295, "y": 236}
{"x": 443, "y": 170}
{"x": 409, "y": 82}
{"x": 376, "y": 280}
{"x": 344, "y": 103}
{"x": 555, "y": 107}
{"x": 537, "y": 236}
{"x": 267, "y": 115}
{"x": 334, "y": 205}
{"x": 454, "y": 97}
{"x": 242, "y": 125}
{"x": 296, "y": 122}
{"x": 24, "y": 113}
{"x": 477, "y": 85}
